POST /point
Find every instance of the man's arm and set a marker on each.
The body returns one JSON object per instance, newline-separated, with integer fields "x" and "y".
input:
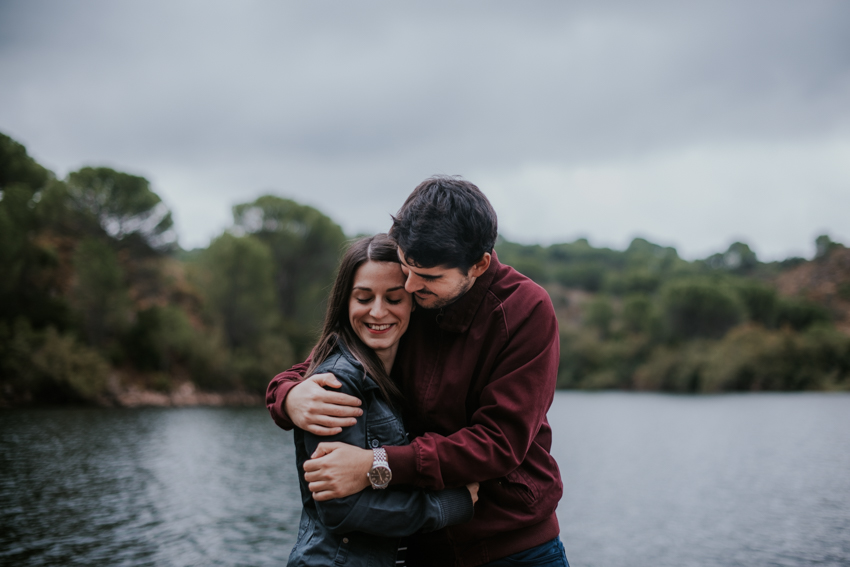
{"x": 309, "y": 406}
{"x": 512, "y": 409}
{"x": 393, "y": 512}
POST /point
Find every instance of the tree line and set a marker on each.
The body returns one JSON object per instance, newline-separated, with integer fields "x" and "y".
{"x": 646, "y": 319}
{"x": 97, "y": 296}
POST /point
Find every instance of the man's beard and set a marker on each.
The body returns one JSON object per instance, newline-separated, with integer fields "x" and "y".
{"x": 445, "y": 302}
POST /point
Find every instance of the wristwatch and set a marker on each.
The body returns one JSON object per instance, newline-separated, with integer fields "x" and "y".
{"x": 380, "y": 473}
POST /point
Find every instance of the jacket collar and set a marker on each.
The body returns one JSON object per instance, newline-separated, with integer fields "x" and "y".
{"x": 458, "y": 316}
{"x": 368, "y": 383}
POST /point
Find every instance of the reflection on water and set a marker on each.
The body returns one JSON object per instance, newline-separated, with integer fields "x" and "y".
{"x": 649, "y": 480}
{"x": 704, "y": 481}
{"x": 146, "y": 487}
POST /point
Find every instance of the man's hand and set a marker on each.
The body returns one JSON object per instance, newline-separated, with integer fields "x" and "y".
{"x": 336, "y": 470}
{"x": 314, "y": 409}
{"x": 473, "y": 491}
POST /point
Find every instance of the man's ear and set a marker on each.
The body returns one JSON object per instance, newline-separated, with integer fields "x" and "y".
{"x": 480, "y": 266}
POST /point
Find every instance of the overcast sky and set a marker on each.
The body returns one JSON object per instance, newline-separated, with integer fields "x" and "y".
{"x": 690, "y": 124}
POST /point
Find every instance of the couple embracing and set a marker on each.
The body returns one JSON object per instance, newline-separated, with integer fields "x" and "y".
{"x": 420, "y": 430}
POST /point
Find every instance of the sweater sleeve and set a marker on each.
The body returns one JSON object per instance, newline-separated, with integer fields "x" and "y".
{"x": 278, "y": 389}
{"x": 512, "y": 409}
{"x": 395, "y": 511}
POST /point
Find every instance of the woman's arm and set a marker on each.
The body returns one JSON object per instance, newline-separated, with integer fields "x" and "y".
{"x": 396, "y": 511}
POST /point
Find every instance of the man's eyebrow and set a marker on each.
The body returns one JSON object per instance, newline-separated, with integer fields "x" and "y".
{"x": 409, "y": 267}
{"x": 425, "y": 276}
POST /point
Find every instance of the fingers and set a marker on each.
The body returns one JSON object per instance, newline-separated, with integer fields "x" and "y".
{"x": 324, "y": 495}
{"x": 325, "y": 379}
{"x": 473, "y": 491}
{"x": 323, "y": 431}
{"x": 322, "y": 449}
{"x": 324, "y": 420}
{"x": 340, "y": 399}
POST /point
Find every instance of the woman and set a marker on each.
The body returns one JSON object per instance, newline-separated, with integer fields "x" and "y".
{"x": 368, "y": 312}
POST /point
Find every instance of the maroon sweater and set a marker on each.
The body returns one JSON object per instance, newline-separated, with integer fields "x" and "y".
{"x": 478, "y": 377}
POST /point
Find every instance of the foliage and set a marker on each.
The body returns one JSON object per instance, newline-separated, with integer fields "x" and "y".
{"x": 96, "y": 296}
{"x": 697, "y": 308}
{"x": 240, "y": 288}
{"x": 600, "y": 315}
{"x": 305, "y": 246}
{"x": 123, "y": 205}
{"x": 99, "y": 294}
{"x": 48, "y": 366}
{"x": 752, "y": 358}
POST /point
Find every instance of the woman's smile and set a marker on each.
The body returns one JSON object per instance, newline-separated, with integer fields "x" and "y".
{"x": 376, "y": 328}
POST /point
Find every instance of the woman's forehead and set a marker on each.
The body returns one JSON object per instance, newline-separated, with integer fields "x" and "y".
{"x": 373, "y": 274}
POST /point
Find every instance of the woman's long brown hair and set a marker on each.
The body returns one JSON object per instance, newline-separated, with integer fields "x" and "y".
{"x": 337, "y": 327}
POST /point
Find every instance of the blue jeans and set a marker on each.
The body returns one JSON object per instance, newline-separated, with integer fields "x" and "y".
{"x": 549, "y": 554}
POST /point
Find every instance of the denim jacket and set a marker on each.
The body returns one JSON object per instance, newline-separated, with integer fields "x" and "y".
{"x": 364, "y": 529}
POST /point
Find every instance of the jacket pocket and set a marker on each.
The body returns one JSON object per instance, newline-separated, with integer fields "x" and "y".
{"x": 385, "y": 430}
{"x": 518, "y": 482}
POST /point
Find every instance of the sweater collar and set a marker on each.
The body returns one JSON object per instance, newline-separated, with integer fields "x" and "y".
{"x": 458, "y": 316}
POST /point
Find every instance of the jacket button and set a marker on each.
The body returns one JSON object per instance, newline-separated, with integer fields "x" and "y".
{"x": 375, "y": 443}
{"x": 345, "y": 540}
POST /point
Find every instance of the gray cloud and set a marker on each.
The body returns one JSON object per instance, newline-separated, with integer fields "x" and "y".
{"x": 347, "y": 106}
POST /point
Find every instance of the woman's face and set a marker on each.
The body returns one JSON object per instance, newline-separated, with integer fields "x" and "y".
{"x": 379, "y": 308}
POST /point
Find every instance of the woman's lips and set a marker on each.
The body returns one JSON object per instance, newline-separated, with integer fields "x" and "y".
{"x": 379, "y": 329}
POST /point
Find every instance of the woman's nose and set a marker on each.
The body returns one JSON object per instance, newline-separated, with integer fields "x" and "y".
{"x": 379, "y": 309}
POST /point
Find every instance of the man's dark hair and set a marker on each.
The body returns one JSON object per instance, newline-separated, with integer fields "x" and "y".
{"x": 446, "y": 221}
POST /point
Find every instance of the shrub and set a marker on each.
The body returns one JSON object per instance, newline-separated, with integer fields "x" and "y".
{"x": 599, "y": 314}
{"x": 799, "y": 313}
{"x": 699, "y": 309}
{"x": 760, "y": 301}
{"x": 47, "y": 366}
{"x": 638, "y": 314}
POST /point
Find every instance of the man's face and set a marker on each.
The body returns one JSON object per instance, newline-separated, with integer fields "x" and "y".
{"x": 435, "y": 287}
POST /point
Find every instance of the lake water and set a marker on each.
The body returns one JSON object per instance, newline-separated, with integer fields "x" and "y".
{"x": 650, "y": 480}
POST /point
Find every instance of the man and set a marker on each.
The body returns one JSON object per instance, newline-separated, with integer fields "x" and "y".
{"x": 477, "y": 367}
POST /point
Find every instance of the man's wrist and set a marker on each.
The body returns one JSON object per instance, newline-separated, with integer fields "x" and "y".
{"x": 380, "y": 473}
{"x": 284, "y": 404}
{"x": 277, "y": 407}
{"x": 402, "y": 461}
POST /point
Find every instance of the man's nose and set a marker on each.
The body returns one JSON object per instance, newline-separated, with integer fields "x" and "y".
{"x": 412, "y": 285}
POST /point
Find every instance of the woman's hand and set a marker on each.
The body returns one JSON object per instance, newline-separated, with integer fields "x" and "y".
{"x": 314, "y": 409}
{"x": 473, "y": 491}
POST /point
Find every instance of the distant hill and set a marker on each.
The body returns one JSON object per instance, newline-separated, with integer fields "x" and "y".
{"x": 824, "y": 280}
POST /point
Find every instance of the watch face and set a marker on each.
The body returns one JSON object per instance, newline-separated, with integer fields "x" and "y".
{"x": 380, "y": 475}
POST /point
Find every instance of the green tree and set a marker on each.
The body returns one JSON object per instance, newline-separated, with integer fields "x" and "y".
{"x": 638, "y": 313}
{"x": 695, "y": 308}
{"x": 240, "y": 288}
{"x": 824, "y": 245}
{"x": 738, "y": 258}
{"x": 99, "y": 295}
{"x": 305, "y": 246}
{"x": 760, "y": 301}
{"x": 24, "y": 261}
{"x": 800, "y": 313}
{"x": 599, "y": 314}
{"x": 123, "y": 206}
